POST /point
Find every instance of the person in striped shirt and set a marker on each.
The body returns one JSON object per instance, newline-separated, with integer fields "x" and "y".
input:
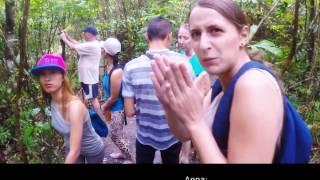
{"x": 140, "y": 99}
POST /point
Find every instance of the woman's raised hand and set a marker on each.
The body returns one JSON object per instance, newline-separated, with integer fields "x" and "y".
{"x": 178, "y": 92}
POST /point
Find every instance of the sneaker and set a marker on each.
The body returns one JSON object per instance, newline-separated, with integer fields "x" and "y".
{"x": 117, "y": 156}
{"x": 127, "y": 162}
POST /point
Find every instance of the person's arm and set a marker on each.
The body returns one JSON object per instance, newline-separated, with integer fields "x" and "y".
{"x": 255, "y": 124}
{"x": 71, "y": 39}
{"x": 76, "y": 116}
{"x": 176, "y": 126}
{"x": 205, "y": 144}
{"x": 115, "y": 83}
{"x": 256, "y": 119}
{"x": 159, "y": 67}
{"x": 128, "y": 92}
{"x": 185, "y": 98}
{"x": 185, "y": 152}
{"x": 129, "y": 107}
{"x": 66, "y": 40}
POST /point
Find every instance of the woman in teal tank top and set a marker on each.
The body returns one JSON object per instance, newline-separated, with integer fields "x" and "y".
{"x": 112, "y": 80}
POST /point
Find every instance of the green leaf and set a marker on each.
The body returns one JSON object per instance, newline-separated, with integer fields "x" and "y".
{"x": 269, "y": 47}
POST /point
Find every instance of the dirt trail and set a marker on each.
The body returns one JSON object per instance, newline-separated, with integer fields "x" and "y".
{"x": 130, "y": 134}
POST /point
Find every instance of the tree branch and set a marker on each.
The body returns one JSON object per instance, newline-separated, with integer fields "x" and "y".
{"x": 265, "y": 17}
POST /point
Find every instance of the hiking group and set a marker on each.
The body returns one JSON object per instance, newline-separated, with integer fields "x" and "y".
{"x": 210, "y": 97}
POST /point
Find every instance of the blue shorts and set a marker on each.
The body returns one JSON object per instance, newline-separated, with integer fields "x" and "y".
{"x": 90, "y": 91}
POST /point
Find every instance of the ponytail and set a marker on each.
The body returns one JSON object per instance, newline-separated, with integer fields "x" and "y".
{"x": 115, "y": 59}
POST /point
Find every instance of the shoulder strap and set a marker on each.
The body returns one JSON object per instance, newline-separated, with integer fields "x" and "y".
{"x": 245, "y": 68}
{"x": 217, "y": 88}
{"x": 115, "y": 67}
{"x": 110, "y": 73}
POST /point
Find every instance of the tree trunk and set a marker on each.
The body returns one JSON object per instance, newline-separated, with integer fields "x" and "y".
{"x": 312, "y": 39}
{"x": 50, "y": 32}
{"x": 21, "y": 79}
{"x": 9, "y": 33}
{"x": 306, "y": 15}
{"x": 316, "y": 56}
{"x": 141, "y": 3}
{"x": 40, "y": 48}
{"x": 294, "y": 35}
{"x": 129, "y": 36}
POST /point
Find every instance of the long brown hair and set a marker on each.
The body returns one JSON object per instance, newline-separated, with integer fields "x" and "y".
{"x": 67, "y": 94}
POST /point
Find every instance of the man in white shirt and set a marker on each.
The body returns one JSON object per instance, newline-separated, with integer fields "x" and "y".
{"x": 88, "y": 65}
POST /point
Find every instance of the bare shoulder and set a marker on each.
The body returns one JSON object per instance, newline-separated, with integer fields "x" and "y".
{"x": 76, "y": 107}
{"x": 117, "y": 72}
{"x": 258, "y": 81}
{"x": 255, "y": 119}
{"x": 258, "y": 93}
{"x": 116, "y": 76}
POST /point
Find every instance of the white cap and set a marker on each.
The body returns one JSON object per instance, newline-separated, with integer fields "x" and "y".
{"x": 111, "y": 46}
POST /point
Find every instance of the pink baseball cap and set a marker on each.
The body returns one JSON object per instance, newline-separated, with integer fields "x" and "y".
{"x": 49, "y": 61}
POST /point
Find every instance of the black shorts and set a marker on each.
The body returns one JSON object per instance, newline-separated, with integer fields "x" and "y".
{"x": 90, "y": 91}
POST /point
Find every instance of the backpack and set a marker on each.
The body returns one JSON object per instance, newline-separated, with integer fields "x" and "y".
{"x": 120, "y": 94}
{"x": 98, "y": 124}
{"x": 296, "y": 140}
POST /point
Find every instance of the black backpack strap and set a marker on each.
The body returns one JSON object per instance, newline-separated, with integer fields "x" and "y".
{"x": 114, "y": 68}
{"x": 111, "y": 71}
